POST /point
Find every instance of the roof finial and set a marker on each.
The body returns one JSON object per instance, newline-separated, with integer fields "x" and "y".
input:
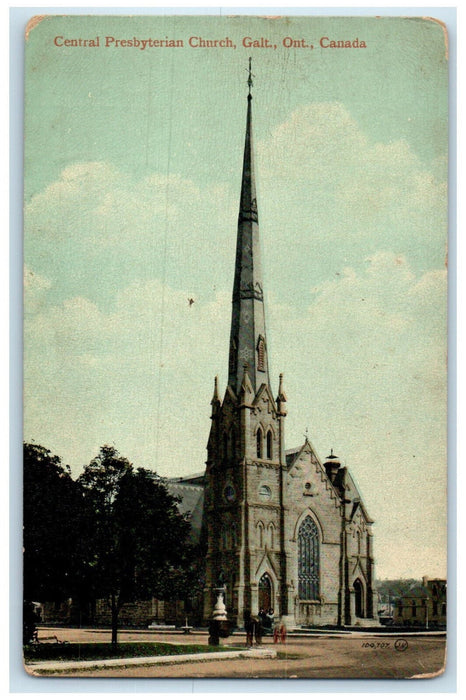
{"x": 250, "y": 77}
{"x": 215, "y": 397}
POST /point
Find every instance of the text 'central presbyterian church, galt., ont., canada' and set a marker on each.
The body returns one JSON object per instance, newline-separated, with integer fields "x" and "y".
{"x": 285, "y": 531}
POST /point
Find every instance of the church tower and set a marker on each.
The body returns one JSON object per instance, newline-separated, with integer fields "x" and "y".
{"x": 244, "y": 494}
{"x": 285, "y": 531}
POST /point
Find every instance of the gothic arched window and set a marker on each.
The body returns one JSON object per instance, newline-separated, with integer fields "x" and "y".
{"x": 260, "y": 528}
{"x": 308, "y": 560}
{"x": 269, "y": 444}
{"x": 271, "y": 529}
{"x": 259, "y": 442}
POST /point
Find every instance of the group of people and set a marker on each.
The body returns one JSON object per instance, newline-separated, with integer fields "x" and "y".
{"x": 266, "y": 618}
{"x": 255, "y": 626}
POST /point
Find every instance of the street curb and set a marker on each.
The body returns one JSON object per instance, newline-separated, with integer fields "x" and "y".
{"x": 149, "y": 660}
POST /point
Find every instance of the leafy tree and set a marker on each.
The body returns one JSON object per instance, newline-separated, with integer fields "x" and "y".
{"x": 395, "y": 588}
{"x": 137, "y": 541}
{"x": 50, "y": 509}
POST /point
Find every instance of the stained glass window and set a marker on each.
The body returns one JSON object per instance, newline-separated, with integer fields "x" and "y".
{"x": 308, "y": 560}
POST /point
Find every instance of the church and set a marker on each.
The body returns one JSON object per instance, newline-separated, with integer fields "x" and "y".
{"x": 285, "y": 530}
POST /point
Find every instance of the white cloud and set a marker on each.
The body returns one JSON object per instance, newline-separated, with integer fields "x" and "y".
{"x": 333, "y": 193}
{"x": 127, "y": 375}
{"x": 96, "y": 229}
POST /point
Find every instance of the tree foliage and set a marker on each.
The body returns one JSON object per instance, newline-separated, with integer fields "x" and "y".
{"x": 395, "y": 588}
{"x": 137, "y": 540}
{"x": 115, "y": 533}
{"x": 50, "y": 511}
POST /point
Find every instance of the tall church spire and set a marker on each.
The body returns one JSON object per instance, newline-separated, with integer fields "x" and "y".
{"x": 248, "y": 343}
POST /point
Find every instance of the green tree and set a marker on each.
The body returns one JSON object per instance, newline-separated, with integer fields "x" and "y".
{"x": 137, "y": 542}
{"x": 51, "y": 505}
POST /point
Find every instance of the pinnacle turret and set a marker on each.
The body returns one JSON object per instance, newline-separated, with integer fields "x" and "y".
{"x": 281, "y": 398}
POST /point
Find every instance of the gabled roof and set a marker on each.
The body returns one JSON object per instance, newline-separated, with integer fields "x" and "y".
{"x": 193, "y": 479}
{"x": 415, "y": 591}
{"x": 191, "y": 492}
{"x": 351, "y": 493}
{"x": 292, "y": 457}
{"x": 264, "y": 389}
{"x": 294, "y": 453}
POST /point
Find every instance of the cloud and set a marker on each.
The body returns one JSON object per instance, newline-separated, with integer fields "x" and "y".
{"x": 128, "y": 375}
{"x": 97, "y": 229}
{"x": 333, "y": 192}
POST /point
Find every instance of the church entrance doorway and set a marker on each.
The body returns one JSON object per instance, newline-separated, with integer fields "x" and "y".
{"x": 359, "y": 598}
{"x": 265, "y": 593}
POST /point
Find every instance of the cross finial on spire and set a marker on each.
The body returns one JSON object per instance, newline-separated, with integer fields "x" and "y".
{"x": 250, "y": 77}
{"x": 306, "y": 433}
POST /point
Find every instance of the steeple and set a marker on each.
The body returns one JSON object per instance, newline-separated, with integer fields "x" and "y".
{"x": 248, "y": 343}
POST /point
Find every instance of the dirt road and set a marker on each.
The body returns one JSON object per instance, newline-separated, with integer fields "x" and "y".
{"x": 348, "y": 656}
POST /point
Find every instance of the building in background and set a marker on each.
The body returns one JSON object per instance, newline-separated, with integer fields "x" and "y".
{"x": 423, "y": 605}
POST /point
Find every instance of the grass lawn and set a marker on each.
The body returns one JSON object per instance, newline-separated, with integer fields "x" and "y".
{"x": 126, "y": 650}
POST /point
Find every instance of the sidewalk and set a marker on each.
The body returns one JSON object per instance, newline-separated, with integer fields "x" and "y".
{"x": 32, "y": 667}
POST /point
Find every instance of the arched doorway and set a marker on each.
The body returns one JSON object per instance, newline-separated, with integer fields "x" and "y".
{"x": 359, "y": 598}
{"x": 265, "y": 592}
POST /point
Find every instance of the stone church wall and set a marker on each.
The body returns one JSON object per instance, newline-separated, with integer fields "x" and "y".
{"x": 141, "y": 613}
{"x": 309, "y": 492}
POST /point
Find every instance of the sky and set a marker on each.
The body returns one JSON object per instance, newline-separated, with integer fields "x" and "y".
{"x": 132, "y": 178}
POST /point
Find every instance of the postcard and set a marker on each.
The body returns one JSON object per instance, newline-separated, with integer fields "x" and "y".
{"x": 235, "y": 314}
